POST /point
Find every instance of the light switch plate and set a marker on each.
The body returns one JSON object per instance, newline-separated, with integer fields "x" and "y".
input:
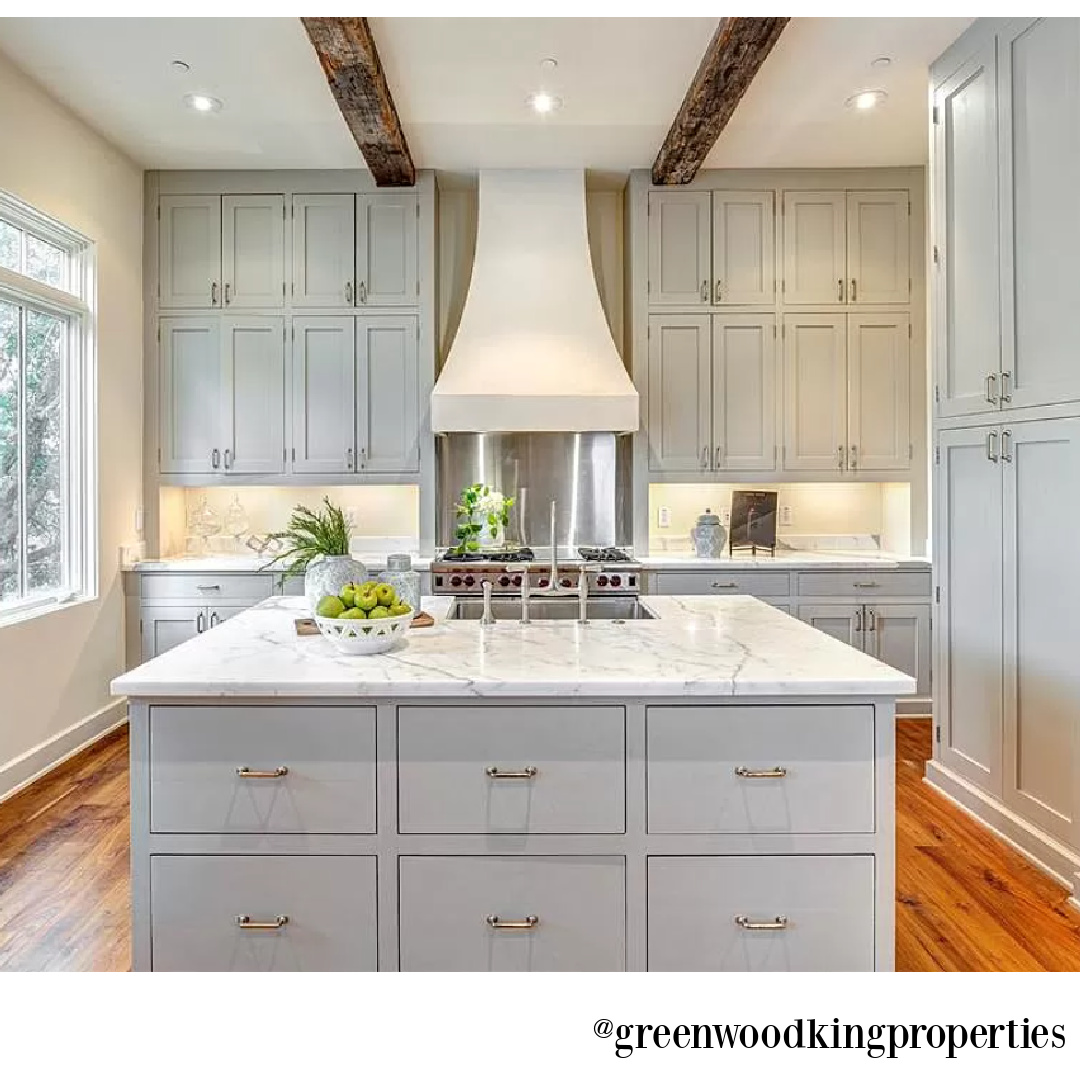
{"x": 663, "y": 517}
{"x": 786, "y": 516}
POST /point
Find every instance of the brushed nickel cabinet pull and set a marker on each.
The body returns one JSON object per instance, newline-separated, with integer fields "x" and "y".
{"x": 215, "y": 459}
{"x": 493, "y": 772}
{"x": 246, "y": 922}
{"x": 867, "y": 584}
{"x": 348, "y": 292}
{"x": 840, "y": 289}
{"x": 719, "y": 291}
{"x": 780, "y": 922}
{"x": 704, "y": 457}
{"x": 723, "y": 584}
{"x": 530, "y": 922}
{"x": 1006, "y": 390}
{"x": 858, "y": 620}
{"x": 363, "y": 292}
{"x": 215, "y": 618}
{"x": 208, "y": 588}
{"x": 717, "y": 456}
{"x": 213, "y": 294}
{"x": 853, "y": 461}
{"x": 1007, "y": 446}
{"x": 228, "y": 459}
{"x": 991, "y": 386}
{"x": 872, "y": 616}
{"x": 992, "y": 446}
{"x": 349, "y": 459}
{"x": 228, "y": 289}
{"x": 776, "y": 773}
{"x": 200, "y": 623}
{"x": 854, "y": 294}
{"x": 840, "y": 457}
{"x": 705, "y": 292}
{"x": 262, "y": 774}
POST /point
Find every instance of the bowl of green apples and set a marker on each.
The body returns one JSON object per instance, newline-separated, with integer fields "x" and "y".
{"x": 364, "y": 618}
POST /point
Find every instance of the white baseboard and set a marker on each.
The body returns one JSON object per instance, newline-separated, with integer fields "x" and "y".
{"x": 1044, "y": 851}
{"x": 36, "y": 762}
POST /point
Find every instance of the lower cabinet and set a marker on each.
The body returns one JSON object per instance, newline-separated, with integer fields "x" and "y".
{"x": 511, "y": 913}
{"x": 165, "y": 626}
{"x": 761, "y": 913}
{"x": 263, "y": 913}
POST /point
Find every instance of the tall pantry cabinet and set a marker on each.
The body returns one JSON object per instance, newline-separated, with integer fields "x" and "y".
{"x": 1006, "y": 227}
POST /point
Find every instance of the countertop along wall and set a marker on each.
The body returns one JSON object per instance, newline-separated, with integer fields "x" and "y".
{"x": 55, "y": 669}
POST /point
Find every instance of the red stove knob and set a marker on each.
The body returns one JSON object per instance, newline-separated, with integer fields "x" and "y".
{"x": 566, "y": 583}
{"x": 504, "y": 581}
{"x": 517, "y": 579}
{"x": 470, "y": 581}
{"x": 455, "y": 581}
{"x": 602, "y": 580}
{"x": 616, "y": 580}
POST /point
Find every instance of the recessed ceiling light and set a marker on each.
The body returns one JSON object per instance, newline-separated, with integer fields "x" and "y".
{"x": 881, "y": 62}
{"x": 203, "y": 103}
{"x": 180, "y": 66}
{"x": 866, "y": 99}
{"x": 543, "y": 102}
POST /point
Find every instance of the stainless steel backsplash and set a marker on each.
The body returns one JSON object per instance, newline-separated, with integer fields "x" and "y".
{"x": 588, "y": 474}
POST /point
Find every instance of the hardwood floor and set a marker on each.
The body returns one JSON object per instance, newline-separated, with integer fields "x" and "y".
{"x": 965, "y": 900}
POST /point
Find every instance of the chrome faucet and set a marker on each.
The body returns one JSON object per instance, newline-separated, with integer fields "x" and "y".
{"x": 488, "y": 617}
{"x": 525, "y": 620}
{"x": 553, "y": 588}
{"x": 583, "y": 595}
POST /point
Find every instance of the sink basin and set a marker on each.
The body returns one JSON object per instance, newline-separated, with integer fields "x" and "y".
{"x": 544, "y": 608}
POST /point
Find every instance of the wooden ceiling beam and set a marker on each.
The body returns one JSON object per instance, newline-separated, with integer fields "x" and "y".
{"x": 346, "y": 50}
{"x": 737, "y": 50}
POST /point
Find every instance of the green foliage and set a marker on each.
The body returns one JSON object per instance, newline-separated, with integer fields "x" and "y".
{"x": 475, "y": 509}
{"x": 311, "y": 533}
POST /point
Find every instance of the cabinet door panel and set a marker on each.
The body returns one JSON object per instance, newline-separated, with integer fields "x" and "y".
{"x": 680, "y": 397}
{"x": 743, "y": 249}
{"x": 1042, "y": 581}
{"x": 323, "y": 394}
{"x": 190, "y": 391}
{"x": 814, "y": 256}
{"x": 879, "y": 392}
{"x": 1039, "y": 101}
{"x": 387, "y": 256}
{"x": 254, "y": 393}
{"x": 388, "y": 394}
{"x": 815, "y": 392}
{"x": 324, "y": 248}
{"x": 166, "y": 626}
{"x": 680, "y": 270}
{"x": 878, "y": 260}
{"x": 744, "y": 392}
{"x": 841, "y": 621}
{"x": 899, "y": 635}
{"x": 968, "y": 558}
{"x": 967, "y": 311}
{"x": 189, "y": 251}
{"x": 253, "y": 250}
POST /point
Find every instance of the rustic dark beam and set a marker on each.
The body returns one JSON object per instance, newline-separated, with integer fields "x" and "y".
{"x": 350, "y": 60}
{"x": 731, "y": 61}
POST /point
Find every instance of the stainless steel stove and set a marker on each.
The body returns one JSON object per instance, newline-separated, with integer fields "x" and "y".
{"x": 612, "y": 571}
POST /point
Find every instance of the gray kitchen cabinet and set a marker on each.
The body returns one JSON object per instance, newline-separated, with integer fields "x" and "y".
{"x": 841, "y": 621}
{"x": 966, "y": 238}
{"x": 388, "y": 394}
{"x": 744, "y": 363}
{"x": 764, "y": 584}
{"x": 1039, "y": 137}
{"x": 253, "y": 369}
{"x": 323, "y": 394}
{"x": 189, "y": 251}
{"x": 761, "y": 913}
{"x": 814, "y": 233}
{"x": 253, "y": 251}
{"x": 387, "y": 250}
{"x": 164, "y": 626}
{"x": 899, "y": 635}
{"x": 815, "y": 393}
{"x": 323, "y": 251}
{"x": 680, "y": 393}
{"x": 878, "y": 391}
{"x": 512, "y": 913}
{"x": 878, "y": 255}
{"x": 190, "y": 385}
{"x": 680, "y": 259}
{"x": 743, "y": 248}
{"x": 264, "y": 913}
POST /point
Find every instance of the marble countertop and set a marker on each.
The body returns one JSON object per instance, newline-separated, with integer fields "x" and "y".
{"x": 697, "y": 646}
{"x": 247, "y": 564}
{"x": 789, "y": 560}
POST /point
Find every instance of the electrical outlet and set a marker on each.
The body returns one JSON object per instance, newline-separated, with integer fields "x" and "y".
{"x": 786, "y": 517}
{"x": 140, "y": 521}
{"x": 663, "y": 517}
{"x": 725, "y": 516}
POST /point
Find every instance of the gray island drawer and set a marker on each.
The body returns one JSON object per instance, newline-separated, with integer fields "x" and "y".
{"x": 209, "y": 588}
{"x": 865, "y": 584}
{"x": 557, "y": 770}
{"x": 720, "y": 582}
{"x": 197, "y": 753}
{"x": 578, "y": 903}
{"x": 710, "y": 770}
{"x": 761, "y": 913}
{"x": 327, "y": 902}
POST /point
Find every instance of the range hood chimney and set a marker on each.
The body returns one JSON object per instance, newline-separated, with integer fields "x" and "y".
{"x": 533, "y": 351}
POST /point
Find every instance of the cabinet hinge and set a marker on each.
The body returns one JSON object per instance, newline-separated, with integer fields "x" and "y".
{"x": 283, "y": 292}
{"x": 937, "y": 394}
{"x": 937, "y": 116}
{"x": 936, "y": 258}
{"x": 937, "y": 733}
{"x": 909, "y": 331}
{"x": 292, "y": 331}
{"x": 159, "y": 455}
{"x": 284, "y": 211}
{"x": 159, "y": 332}
{"x": 292, "y": 288}
{"x": 783, "y": 330}
{"x": 284, "y": 455}
{"x": 294, "y": 455}
{"x": 418, "y": 330}
{"x": 910, "y": 451}
{"x": 159, "y": 213}
{"x": 937, "y": 455}
{"x": 937, "y": 594}
{"x": 140, "y": 627}
{"x": 774, "y": 330}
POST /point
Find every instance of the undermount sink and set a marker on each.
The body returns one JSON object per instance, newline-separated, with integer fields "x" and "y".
{"x": 544, "y": 608}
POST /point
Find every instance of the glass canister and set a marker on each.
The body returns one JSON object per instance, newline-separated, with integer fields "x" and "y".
{"x": 404, "y": 578}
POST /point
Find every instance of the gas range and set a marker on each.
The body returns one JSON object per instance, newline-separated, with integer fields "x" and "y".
{"x": 612, "y": 572}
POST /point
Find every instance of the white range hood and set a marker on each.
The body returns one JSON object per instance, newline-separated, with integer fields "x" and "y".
{"x": 533, "y": 351}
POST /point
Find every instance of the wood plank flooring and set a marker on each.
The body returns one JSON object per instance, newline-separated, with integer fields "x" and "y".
{"x": 965, "y": 900}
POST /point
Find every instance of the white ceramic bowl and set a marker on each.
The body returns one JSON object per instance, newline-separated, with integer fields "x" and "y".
{"x": 364, "y": 636}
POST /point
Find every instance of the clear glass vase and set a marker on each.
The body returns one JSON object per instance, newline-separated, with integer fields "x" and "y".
{"x": 329, "y": 575}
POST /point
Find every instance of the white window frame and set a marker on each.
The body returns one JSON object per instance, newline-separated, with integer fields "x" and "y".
{"x": 78, "y": 306}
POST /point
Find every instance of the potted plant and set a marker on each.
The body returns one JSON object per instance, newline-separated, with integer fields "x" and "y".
{"x": 482, "y": 516}
{"x": 317, "y": 546}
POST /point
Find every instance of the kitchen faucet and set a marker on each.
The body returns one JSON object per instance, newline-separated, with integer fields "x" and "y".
{"x": 553, "y": 588}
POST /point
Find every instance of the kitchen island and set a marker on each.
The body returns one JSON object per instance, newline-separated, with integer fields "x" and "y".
{"x": 707, "y": 789}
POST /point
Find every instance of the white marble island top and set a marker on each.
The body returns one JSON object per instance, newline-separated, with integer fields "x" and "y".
{"x": 696, "y": 646}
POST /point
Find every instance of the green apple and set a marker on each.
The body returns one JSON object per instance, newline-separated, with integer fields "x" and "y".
{"x": 400, "y": 609}
{"x": 385, "y": 593}
{"x": 379, "y": 612}
{"x": 348, "y": 595}
{"x": 353, "y": 613}
{"x": 330, "y": 607}
{"x": 366, "y": 600}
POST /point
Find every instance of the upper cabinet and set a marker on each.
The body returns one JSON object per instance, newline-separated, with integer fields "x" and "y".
{"x": 323, "y": 240}
{"x": 680, "y": 260}
{"x": 253, "y": 251}
{"x": 680, "y": 393}
{"x": 878, "y": 261}
{"x": 815, "y": 393}
{"x": 743, "y": 247}
{"x": 815, "y": 269}
{"x": 387, "y": 253}
{"x": 189, "y": 251}
{"x": 387, "y": 394}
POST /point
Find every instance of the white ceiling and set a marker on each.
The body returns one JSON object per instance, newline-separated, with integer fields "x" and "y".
{"x": 461, "y": 85}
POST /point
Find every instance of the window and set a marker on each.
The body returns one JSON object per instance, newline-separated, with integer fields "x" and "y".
{"x": 47, "y": 547}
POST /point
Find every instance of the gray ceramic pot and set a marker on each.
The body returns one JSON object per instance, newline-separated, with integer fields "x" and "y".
{"x": 329, "y": 575}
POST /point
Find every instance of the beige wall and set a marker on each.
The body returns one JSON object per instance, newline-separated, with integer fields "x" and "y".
{"x": 55, "y": 669}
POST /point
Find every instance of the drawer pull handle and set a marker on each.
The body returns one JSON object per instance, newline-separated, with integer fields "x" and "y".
{"x": 530, "y": 922}
{"x": 777, "y": 773}
{"x": 262, "y": 774}
{"x": 245, "y": 922}
{"x": 746, "y": 923}
{"x": 723, "y": 584}
{"x": 495, "y": 773}
{"x": 208, "y": 588}
{"x": 867, "y": 584}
